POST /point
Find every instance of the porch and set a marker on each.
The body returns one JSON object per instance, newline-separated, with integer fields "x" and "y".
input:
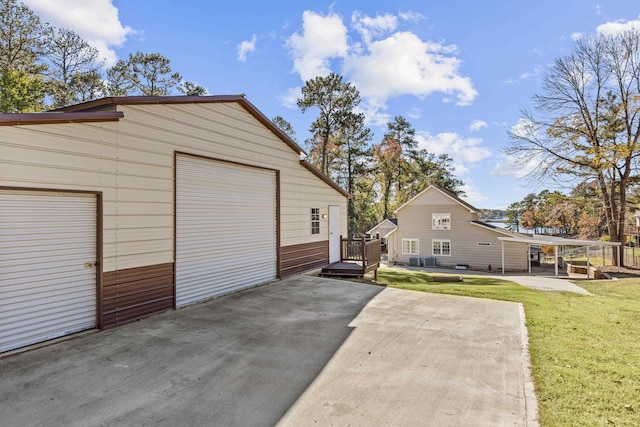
{"x": 357, "y": 258}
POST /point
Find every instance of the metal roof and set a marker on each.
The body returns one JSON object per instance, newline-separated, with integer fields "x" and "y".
{"x": 537, "y": 239}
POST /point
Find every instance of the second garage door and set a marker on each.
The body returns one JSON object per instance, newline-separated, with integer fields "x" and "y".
{"x": 47, "y": 266}
{"x": 226, "y": 236}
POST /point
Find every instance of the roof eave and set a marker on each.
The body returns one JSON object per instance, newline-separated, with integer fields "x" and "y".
{"x": 320, "y": 175}
{"x": 58, "y": 117}
{"x": 451, "y": 196}
{"x": 497, "y": 230}
{"x": 114, "y": 101}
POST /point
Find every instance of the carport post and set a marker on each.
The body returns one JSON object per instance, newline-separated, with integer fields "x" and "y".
{"x": 529, "y": 256}
{"x": 502, "y": 256}
{"x": 620, "y": 249}
{"x": 588, "y": 263}
{"x": 556, "y": 254}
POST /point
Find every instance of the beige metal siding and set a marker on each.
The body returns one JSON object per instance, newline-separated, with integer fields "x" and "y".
{"x": 226, "y": 228}
{"x": 46, "y": 291}
{"x": 414, "y": 222}
{"x": 131, "y": 163}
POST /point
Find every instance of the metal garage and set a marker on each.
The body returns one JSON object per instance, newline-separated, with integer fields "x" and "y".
{"x": 47, "y": 264}
{"x": 226, "y": 227}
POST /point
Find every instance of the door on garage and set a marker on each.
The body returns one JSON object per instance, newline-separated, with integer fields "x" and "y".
{"x": 226, "y": 227}
{"x": 334, "y": 234}
{"x": 48, "y": 255}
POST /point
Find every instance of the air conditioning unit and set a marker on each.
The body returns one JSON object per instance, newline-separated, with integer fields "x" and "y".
{"x": 428, "y": 262}
{"x": 413, "y": 262}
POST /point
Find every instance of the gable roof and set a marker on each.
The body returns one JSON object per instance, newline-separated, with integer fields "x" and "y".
{"x": 392, "y": 222}
{"x": 446, "y": 193}
{"x": 493, "y": 228}
{"x": 110, "y": 103}
{"x": 105, "y": 109}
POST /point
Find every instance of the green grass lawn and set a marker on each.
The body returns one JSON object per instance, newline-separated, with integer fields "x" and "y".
{"x": 585, "y": 350}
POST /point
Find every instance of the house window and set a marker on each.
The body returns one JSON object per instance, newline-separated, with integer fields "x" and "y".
{"x": 410, "y": 246}
{"x": 315, "y": 220}
{"x": 484, "y": 244}
{"x": 441, "y": 247}
{"x": 441, "y": 221}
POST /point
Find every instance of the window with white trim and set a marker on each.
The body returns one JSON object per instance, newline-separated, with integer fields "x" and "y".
{"x": 441, "y": 221}
{"x": 410, "y": 247}
{"x": 441, "y": 247}
{"x": 315, "y": 220}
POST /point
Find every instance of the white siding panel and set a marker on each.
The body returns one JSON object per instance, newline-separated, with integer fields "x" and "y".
{"x": 226, "y": 228}
{"x": 46, "y": 292}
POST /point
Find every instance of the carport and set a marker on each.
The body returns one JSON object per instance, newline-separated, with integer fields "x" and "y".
{"x": 556, "y": 242}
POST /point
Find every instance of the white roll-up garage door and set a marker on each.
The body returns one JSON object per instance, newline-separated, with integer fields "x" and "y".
{"x": 225, "y": 228}
{"x": 47, "y": 266}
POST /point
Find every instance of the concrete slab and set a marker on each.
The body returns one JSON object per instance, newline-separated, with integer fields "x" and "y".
{"x": 422, "y": 359}
{"x": 302, "y": 351}
{"x": 540, "y": 281}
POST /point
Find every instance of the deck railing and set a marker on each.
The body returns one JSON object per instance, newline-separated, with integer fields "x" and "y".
{"x": 351, "y": 249}
{"x": 361, "y": 255}
{"x": 366, "y": 251}
{"x": 372, "y": 253}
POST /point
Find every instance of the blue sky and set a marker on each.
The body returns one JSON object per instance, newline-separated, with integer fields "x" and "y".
{"x": 459, "y": 70}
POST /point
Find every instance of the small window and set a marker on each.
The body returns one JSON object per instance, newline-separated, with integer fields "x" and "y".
{"x": 410, "y": 246}
{"x": 441, "y": 221}
{"x": 484, "y": 244}
{"x": 315, "y": 220}
{"x": 441, "y": 247}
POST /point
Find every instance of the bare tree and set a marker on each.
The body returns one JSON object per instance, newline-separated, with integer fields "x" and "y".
{"x": 586, "y": 122}
{"x": 74, "y": 65}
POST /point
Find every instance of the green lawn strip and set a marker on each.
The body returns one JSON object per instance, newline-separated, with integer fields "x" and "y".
{"x": 585, "y": 350}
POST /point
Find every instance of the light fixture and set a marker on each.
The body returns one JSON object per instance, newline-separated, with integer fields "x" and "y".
{"x": 324, "y": 216}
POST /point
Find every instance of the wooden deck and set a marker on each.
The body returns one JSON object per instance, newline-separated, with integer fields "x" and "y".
{"x": 343, "y": 269}
{"x": 357, "y": 258}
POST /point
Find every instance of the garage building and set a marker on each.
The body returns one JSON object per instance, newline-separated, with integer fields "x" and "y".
{"x": 122, "y": 207}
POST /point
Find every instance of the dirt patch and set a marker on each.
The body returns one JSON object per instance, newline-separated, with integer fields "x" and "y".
{"x": 623, "y": 272}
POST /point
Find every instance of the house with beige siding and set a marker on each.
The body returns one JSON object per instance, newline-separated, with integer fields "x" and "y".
{"x": 436, "y": 228}
{"x": 121, "y": 207}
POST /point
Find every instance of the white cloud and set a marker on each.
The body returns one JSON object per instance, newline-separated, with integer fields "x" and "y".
{"x": 515, "y": 166}
{"x": 463, "y": 151}
{"x": 411, "y": 16}
{"x": 519, "y": 166}
{"x": 290, "y": 98}
{"x": 576, "y": 36}
{"x": 382, "y": 62}
{"x": 473, "y": 194}
{"x": 533, "y": 73}
{"x": 476, "y": 125}
{"x": 611, "y": 28}
{"x": 369, "y": 27}
{"x": 246, "y": 47}
{"x": 403, "y": 64}
{"x": 96, "y": 21}
{"x": 322, "y": 38}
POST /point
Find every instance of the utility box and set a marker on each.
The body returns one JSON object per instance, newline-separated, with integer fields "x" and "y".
{"x": 428, "y": 262}
{"x": 413, "y": 262}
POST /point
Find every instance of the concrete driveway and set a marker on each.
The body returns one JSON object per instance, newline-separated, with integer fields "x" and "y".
{"x": 303, "y": 351}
